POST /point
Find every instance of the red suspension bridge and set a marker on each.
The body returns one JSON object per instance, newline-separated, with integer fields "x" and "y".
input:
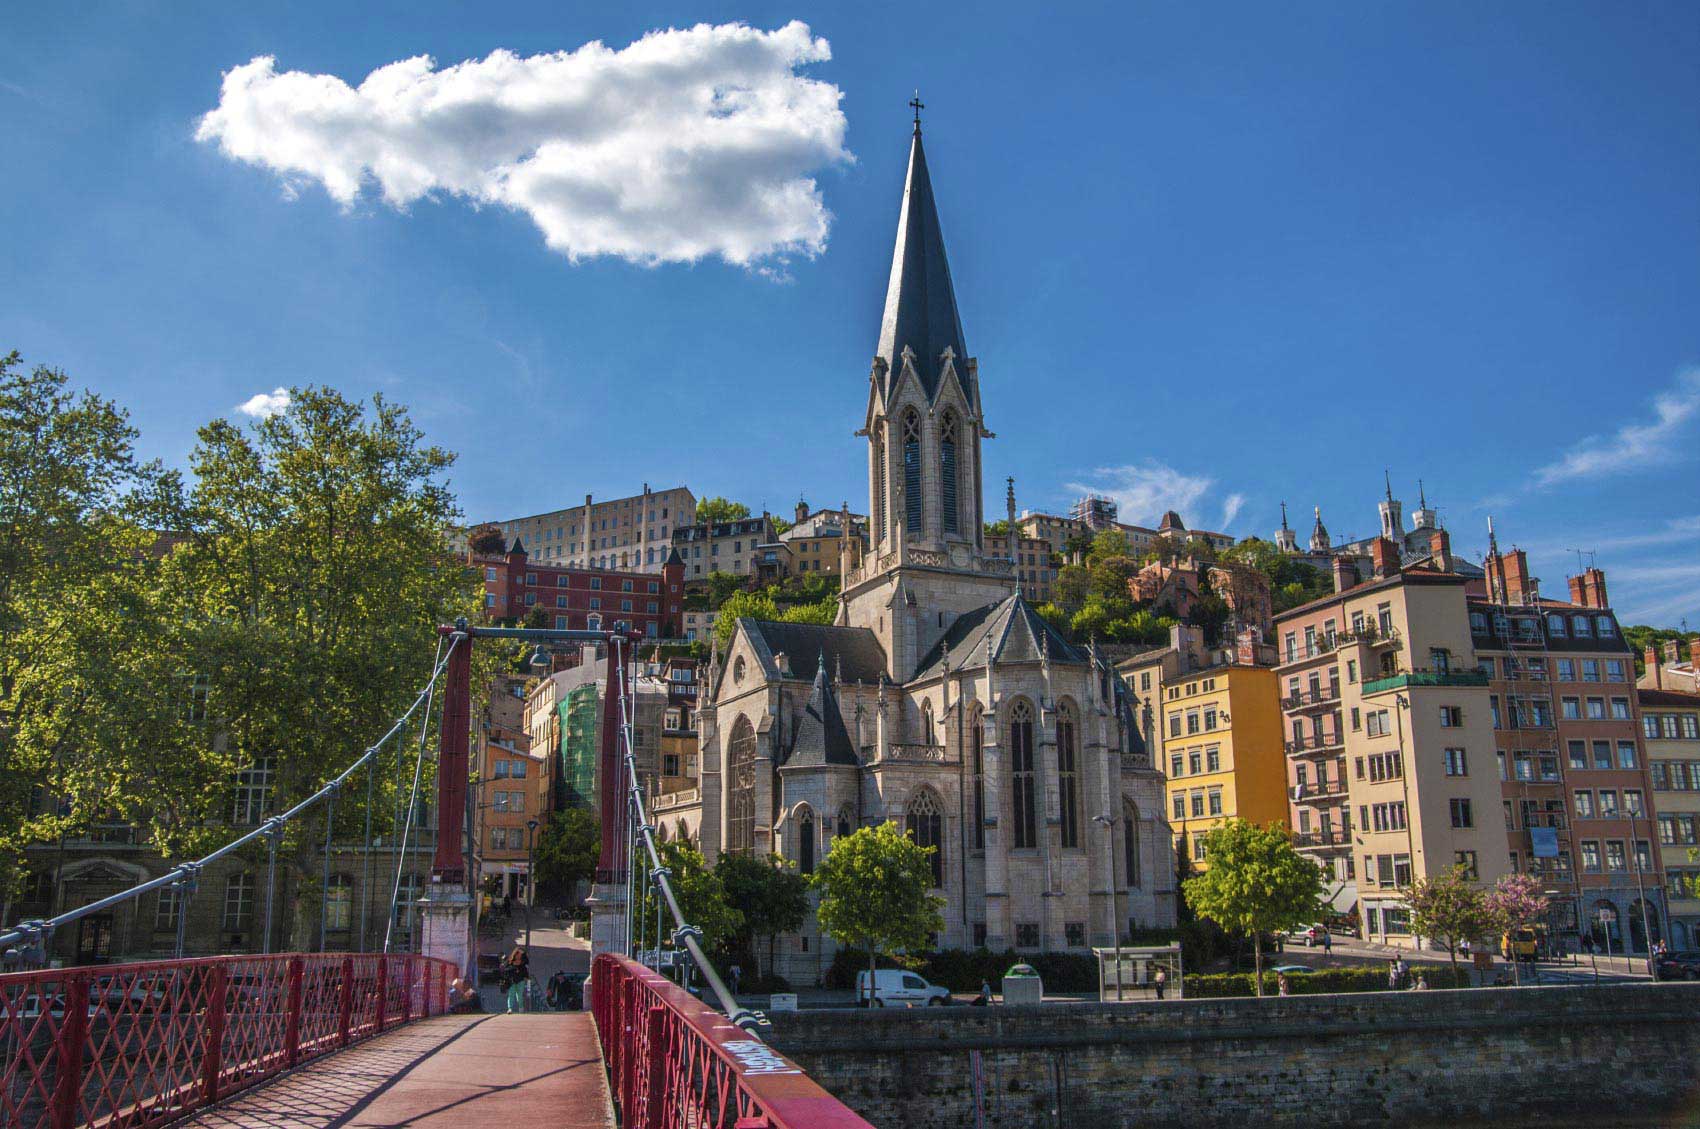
{"x": 329, "y": 1040}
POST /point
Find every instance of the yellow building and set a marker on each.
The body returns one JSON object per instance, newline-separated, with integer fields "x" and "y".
{"x": 1213, "y": 723}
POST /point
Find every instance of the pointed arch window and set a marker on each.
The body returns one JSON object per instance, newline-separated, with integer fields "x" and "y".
{"x": 1130, "y": 843}
{"x": 924, "y": 822}
{"x": 806, "y": 841}
{"x": 977, "y": 741}
{"x": 845, "y": 822}
{"x": 949, "y": 506}
{"x": 741, "y": 798}
{"x": 1022, "y": 792}
{"x": 1068, "y": 774}
{"x": 926, "y": 723}
{"x": 912, "y": 473}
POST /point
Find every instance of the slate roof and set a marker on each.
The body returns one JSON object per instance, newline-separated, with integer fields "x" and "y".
{"x": 805, "y": 645}
{"x": 1015, "y": 631}
{"x": 820, "y": 737}
{"x": 920, "y": 304}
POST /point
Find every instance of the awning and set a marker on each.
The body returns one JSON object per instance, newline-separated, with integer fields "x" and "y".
{"x": 1342, "y": 899}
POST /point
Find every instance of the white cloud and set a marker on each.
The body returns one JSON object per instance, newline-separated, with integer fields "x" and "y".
{"x": 1633, "y": 445}
{"x": 1143, "y": 491}
{"x": 684, "y": 144}
{"x": 264, "y": 404}
{"x": 1231, "y": 509}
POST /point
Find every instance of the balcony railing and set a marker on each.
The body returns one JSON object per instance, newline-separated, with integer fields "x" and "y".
{"x": 1410, "y": 678}
{"x": 1305, "y": 746}
{"x": 1318, "y": 789}
{"x": 1334, "y": 837}
{"x": 1309, "y": 699}
{"x": 915, "y": 751}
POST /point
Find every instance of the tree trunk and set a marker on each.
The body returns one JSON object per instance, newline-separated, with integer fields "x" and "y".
{"x": 871, "y": 956}
{"x": 772, "y": 943}
{"x": 1453, "y": 953}
{"x": 1257, "y": 959}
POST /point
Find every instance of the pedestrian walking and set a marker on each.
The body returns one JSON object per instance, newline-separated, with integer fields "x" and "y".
{"x": 1280, "y": 983}
{"x": 736, "y": 973}
{"x": 1159, "y": 982}
{"x": 984, "y": 999}
{"x": 516, "y": 977}
{"x": 1393, "y": 974}
{"x": 1328, "y": 942}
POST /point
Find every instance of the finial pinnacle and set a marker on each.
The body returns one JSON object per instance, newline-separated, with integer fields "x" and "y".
{"x": 1387, "y": 477}
{"x": 917, "y": 105}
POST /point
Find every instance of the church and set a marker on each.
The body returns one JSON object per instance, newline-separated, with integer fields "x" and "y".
{"x": 939, "y": 699}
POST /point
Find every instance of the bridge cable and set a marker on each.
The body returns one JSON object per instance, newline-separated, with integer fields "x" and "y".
{"x": 183, "y": 875}
{"x": 413, "y": 798}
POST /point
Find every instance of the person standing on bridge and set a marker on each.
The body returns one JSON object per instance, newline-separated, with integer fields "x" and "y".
{"x": 516, "y": 972}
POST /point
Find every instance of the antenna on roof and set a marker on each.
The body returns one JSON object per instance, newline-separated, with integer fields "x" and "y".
{"x": 1591, "y": 554}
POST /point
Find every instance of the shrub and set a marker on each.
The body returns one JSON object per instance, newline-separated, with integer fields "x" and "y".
{"x": 1370, "y": 979}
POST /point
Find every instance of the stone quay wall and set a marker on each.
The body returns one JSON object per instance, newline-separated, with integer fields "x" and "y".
{"x": 1618, "y": 1055}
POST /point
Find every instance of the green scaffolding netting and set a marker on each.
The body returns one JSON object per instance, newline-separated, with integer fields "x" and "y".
{"x": 580, "y": 717}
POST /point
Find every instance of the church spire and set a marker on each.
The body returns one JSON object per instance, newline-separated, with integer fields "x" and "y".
{"x": 920, "y": 304}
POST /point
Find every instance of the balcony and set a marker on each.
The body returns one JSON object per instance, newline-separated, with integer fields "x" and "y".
{"x": 1321, "y": 840}
{"x": 1318, "y": 648}
{"x": 917, "y": 753}
{"x": 1312, "y": 699}
{"x": 1311, "y": 746}
{"x": 1412, "y": 678}
{"x": 1318, "y": 790}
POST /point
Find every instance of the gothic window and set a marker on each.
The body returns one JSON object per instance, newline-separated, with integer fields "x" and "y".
{"x": 845, "y": 823}
{"x": 1130, "y": 843}
{"x": 879, "y": 486}
{"x": 912, "y": 474}
{"x": 948, "y": 505}
{"x": 977, "y": 736}
{"x": 1022, "y": 794}
{"x": 1068, "y": 775}
{"x": 806, "y": 841}
{"x": 741, "y": 798}
{"x": 926, "y": 723}
{"x": 925, "y": 824}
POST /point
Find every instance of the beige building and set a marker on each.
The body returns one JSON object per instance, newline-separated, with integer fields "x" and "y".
{"x": 1035, "y": 564}
{"x": 736, "y": 547}
{"x": 620, "y": 533}
{"x": 1390, "y": 739}
{"x": 513, "y": 790}
{"x": 815, "y": 541}
{"x": 1670, "y": 729}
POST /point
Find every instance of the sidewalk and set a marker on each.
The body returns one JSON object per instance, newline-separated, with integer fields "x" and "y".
{"x": 552, "y": 948}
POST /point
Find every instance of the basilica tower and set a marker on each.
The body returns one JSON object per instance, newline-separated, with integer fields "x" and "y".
{"x": 926, "y": 561}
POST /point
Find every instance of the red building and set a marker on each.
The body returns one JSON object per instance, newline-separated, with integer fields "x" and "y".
{"x": 516, "y": 588}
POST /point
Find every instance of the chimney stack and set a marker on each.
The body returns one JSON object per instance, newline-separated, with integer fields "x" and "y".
{"x": 1520, "y": 586}
{"x": 1673, "y": 652}
{"x": 1345, "y": 573}
{"x": 1384, "y": 557}
{"x": 1589, "y": 589}
{"x": 1655, "y": 673}
{"x": 1440, "y": 545}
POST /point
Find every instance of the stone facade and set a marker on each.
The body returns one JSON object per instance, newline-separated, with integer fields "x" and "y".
{"x": 620, "y": 533}
{"x": 939, "y": 700}
{"x": 1458, "y": 1058}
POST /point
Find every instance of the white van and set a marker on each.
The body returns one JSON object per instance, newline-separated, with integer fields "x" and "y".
{"x": 893, "y": 987}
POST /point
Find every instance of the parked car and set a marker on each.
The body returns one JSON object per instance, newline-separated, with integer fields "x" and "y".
{"x": 895, "y": 986}
{"x": 1522, "y": 944}
{"x": 1682, "y": 964}
{"x": 1311, "y": 935}
{"x": 1292, "y": 969}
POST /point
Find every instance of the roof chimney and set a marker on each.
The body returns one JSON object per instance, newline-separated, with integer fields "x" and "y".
{"x": 1345, "y": 573}
{"x": 1520, "y": 587}
{"x": 1673, "y": 652}
{"x": 1384, "y": 557}
{"x": 1694, "y": 663}
{"x": 1655, "y": 673}
{"x": 1596, "y": 587}
{"x": 1440, "y": 545}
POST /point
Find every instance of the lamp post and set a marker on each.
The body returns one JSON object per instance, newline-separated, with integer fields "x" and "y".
{"x": 530, "y": 876}
{"x": 1108, "y": 824}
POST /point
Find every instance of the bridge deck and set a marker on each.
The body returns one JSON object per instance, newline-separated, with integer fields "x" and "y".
{"x": 450, "y": 1072}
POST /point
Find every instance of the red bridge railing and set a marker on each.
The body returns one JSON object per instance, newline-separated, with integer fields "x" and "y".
{"x": 672, "y": 1060}
{"x": 128, "y": 1046}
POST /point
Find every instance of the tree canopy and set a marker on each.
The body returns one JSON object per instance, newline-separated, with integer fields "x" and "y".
{"x": 568, "y": 849}
{"x": 769, "y": 894}
{"x": 718, "y": 509}
{"x": 875, "y": 888}
{"x": 702, "y": 896}
{"x": 1255, "y": 883}
{"x": 1449, "y": 907}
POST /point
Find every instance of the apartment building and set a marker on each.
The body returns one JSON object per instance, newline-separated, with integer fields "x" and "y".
{"x": 1215, "y": 733}
{"x": 1056, "y": 530}
{"x": 513, "y": 791}
{"x": 581, "y": 599}
{"x": 1035, "y": 564}
{"x": 1665, "y": 669}
{"x": 563, "y": 721}
{"x": 620, "y": 533}
{"x": 1574, "y": 778}
{"x": 816, "y": 539}
{"x": 1389, "y": 738}
{"x": 724, "y": 546}
{"x": 1670, "y": 731}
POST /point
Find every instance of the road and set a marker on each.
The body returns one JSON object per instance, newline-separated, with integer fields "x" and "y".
{"x": 552, "y": 949}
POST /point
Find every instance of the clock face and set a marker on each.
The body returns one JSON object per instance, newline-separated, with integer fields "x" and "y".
{"x": 959, "y": 556}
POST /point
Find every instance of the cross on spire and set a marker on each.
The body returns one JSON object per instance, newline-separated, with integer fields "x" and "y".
{"x": 917, "y": 105}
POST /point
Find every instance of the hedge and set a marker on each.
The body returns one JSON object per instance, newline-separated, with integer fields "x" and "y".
{"x": 1374, "y": 979}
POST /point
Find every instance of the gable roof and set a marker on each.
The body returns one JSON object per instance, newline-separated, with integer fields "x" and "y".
{"x": 1016, "y": 633}
{"x": 854, "y": 653}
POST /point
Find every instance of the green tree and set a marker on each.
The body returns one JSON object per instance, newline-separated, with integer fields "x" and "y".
{"x": 743, "y": 605}
{"x": 487, "y": 541}
{"x": 1449, "y": 908}
{"x": 996, "y": 528}
{"x": 875, "y": 892}
{"x": 722, "y": 586}
{"x": 702, "y": 896}
{"x": 1255, "y": 883}
{"x": 717, "y": 509}
{"x": 824, "y": 612}
{"x": 769, "y": 894}
{"x": 568, "y": 850}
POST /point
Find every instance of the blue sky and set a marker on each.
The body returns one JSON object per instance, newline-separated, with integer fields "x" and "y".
{"x": 1210, "y": 256}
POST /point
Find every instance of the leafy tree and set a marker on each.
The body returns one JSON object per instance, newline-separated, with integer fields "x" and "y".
{"x": 718, "y": 509}
{"x": 1449, "y": 908}
{"x": 487, "y": 541}
{"x": 998, "y": 528}
{"x": 743, "y": 605}
{"x": 780, "y": 525}
{"x": 770, "y": 895}
{"x": 1079, "y": 543}
{"x": 1256, "y": 883}
{"x": 568, "y": 849}
{"x": 702, "y": 896}
{"x": 875, "y": 892}
{"x": 1514, "y": 902}
{"x": 1640, "y": 637}
{"x": 537, "y": 616}
{"x": 722, "y": 586}
{"x": 822, "y": 613}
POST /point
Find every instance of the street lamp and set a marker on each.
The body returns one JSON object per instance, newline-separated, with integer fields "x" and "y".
{"x": 1115, "y": 932}
{"x": 530, "y": 876}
